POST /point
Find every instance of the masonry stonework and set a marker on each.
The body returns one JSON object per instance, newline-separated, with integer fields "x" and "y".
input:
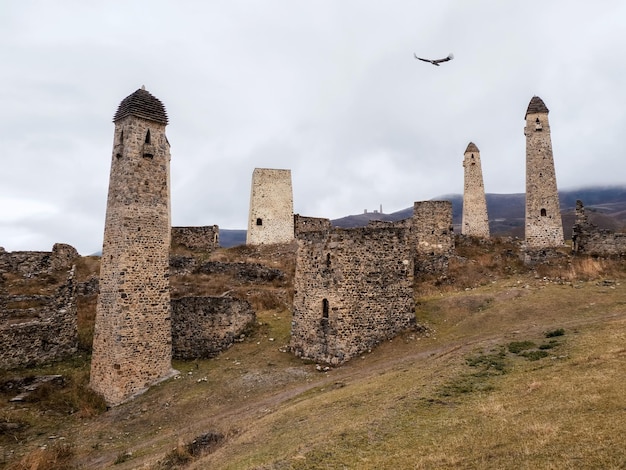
{"x": 543, "y": 225}
{"x": 205, "y": 239}
{"x": 37, "y": 328}
{"x": 475, "y": 221}
{"x": 271, "y": 207}
{"x": 132, "y": 347}
{"x": 588, "y": 239}
{"x": 202, "y": 327}
{"x": 432, "y": 236}
{"x": 353, "y": 288}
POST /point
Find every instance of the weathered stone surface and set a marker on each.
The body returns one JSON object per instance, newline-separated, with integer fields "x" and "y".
{"x": 271, "y": 207}
{"x": 35, "y": 329}
{"x": 132, "y": 345}
{"x": 247, "y": 272}
{"x": 544, "y": 227}
{"x": 588, "y": 239}
{"x": 433, "y": 236}
{"x": 33, "y": 263}
{"x": 475, "y": 221}
{"x": 204, "y": 326}
{"x": 353, "y": 288}
{"x": 205, "y": 239}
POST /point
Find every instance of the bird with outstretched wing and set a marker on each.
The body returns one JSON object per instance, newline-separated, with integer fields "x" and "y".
{"x": 436, "y": 61}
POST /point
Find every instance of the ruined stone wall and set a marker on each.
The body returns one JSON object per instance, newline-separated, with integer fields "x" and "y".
{"x": 36, "y": 328}
{"x": 132, "y": 339}
{"x": 204, "y": 326}
{"x": 271, "y": 207}
{"x": 353, "y": 288}
{"x": 205, "y": 239}
{"x": 310, "y": 224}
{"x": 543, "y": 225}
{"x": 30, "y": 263}
{"x": 588, "y": 239}
{"x": 475, "y": 221}
{"x": 432, "y": 236}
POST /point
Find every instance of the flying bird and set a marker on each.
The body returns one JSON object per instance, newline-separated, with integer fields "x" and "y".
{"x": 436, "y": 61}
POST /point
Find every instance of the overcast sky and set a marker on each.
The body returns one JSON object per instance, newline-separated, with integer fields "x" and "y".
{"x": 326, "y": 88}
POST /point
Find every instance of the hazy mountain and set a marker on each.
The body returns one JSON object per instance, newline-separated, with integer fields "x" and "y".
{"x": 605, "y": 206}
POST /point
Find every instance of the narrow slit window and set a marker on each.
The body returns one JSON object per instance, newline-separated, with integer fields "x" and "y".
{"x": 148, "y": 137}
{"x": 324, "y": 308}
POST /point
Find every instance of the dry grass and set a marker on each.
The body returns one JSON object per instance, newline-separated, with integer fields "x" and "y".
{"x": 455, "y": 397}
{"x": 54, "y": 457}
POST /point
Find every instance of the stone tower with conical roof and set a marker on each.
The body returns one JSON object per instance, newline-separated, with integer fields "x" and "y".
{"x": 132, "y": 346}
{"x": 543, "y": 226}
{"x": 475, "y": 221}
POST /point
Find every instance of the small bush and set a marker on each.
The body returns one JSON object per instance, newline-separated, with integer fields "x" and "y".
{"x": 534, "y": 355}
{"x": 554, "y": 333}
{"x": 517, "y": 347}
{"x": 56, "y": 457}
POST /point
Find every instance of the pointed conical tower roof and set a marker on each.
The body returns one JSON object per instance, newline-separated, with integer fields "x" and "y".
{"x": 143, "y": 105}
{"x": 471, "y": 147}
{"x": 536, "y": 106}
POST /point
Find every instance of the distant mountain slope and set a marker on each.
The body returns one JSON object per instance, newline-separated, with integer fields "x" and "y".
{"x": 606, "y": 207}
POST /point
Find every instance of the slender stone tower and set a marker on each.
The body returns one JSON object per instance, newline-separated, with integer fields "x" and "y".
{"x": 544, "y": 227}
{"x": 271, "y": 207}
{"x": 475, "y": 221}
{"x": 132, "y": 346}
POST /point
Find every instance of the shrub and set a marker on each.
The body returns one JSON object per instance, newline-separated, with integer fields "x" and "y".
{"x": 517, "y": 347}
{"x": 553, "y": 333}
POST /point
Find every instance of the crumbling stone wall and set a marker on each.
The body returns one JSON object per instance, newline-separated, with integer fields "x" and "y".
{"x": 588, "y": 239}
{"x": 205, "y": 239}
{"x": 271, "y": 207}
{"x": 32, "y": 263}
{"x": 543, "y": 225}
{"x": 310, "y": 224}
{"x": 475, "y": 221}
{"x": 204, "y": 326}
{"x": 37, "y": 328}
{"x": 353, "y": 288}
{"x": 432, "y": 236}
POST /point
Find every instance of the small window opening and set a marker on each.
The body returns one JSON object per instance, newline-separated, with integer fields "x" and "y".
{"x": 538, "y": 126}
{"x": 122, "y": 136}
{"x": 148, "y": 155}
{"x": 259, "y": 221}
{"x": 118, "y": 155}
{"x": 328, "y": 260}
{"x": 324, "y": 308}
{"x": 148, "y": 137}
{"x": 543, "y": 213}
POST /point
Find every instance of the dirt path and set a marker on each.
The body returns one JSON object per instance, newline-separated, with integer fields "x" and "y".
{"x": 236, "y": 416}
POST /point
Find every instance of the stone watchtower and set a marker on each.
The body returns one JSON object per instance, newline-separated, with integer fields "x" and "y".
{"x": 475, "y": 220}
{"x": 271, "y": 207}
{"x": 132, "y": 346}
{"x": 544, "y": 227}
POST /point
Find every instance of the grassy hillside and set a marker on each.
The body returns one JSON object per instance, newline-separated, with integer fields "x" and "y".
{"x": 516, "y": 368}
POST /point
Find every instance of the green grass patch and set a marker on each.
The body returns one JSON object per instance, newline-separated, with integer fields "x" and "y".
{"x": 517, "y": 347}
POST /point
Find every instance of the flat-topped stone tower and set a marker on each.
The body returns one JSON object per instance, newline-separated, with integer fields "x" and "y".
{"x": 271, "y": 207}
{"x": 132, "y": 346}
{"x": 475, "y": 221}
{"x": 544, "y": 227}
